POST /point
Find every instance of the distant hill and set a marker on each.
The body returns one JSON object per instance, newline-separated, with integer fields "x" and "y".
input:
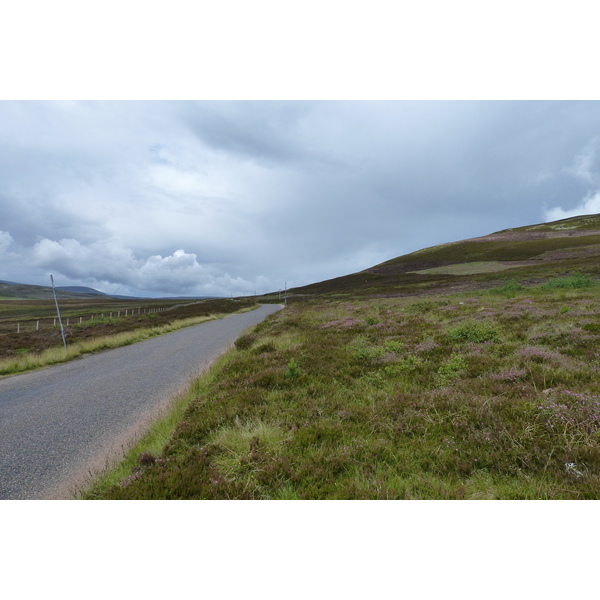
{"x": 11, "y": 289}
{"x": 527, "y": 254}
{"x": 79, "y": 289}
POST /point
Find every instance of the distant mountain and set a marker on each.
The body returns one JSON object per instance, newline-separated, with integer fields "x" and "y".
{"x": 79, "y": 289}
{"x": 11, "y": 289}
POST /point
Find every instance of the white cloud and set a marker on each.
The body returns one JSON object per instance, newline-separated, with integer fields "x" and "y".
{"x": 5, "y": 241}
{"x": 583, "y": 167}
{"x": 105, "y": 263}
{"x": 588, "y": 206}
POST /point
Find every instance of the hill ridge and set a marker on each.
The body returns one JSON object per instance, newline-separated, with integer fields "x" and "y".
{"x": 531, "y": 253}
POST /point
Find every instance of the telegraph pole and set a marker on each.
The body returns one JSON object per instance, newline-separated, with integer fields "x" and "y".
{"x": 58, "y": 311}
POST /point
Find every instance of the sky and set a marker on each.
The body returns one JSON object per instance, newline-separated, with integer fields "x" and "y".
{"x": 220, "y": 198}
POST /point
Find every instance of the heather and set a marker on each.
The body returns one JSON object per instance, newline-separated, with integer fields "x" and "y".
{"x": 115, "y": 323}
{"x": 487, "y": 394}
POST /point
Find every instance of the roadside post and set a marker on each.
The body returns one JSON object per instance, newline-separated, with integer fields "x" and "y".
{"x": 62, "y": 331}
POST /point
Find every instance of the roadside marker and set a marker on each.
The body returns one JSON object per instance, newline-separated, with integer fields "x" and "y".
{"x": 58, "y": 311}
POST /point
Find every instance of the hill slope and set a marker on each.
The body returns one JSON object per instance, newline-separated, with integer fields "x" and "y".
{"x": 80, "y": 289}
{"x": 528, "y": 254}
{"x": 423, "y": 394}
{"x": 10, "y": 289}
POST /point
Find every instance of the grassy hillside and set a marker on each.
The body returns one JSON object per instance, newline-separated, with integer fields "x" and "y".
{"x": 22, "y": 291}
{"x": 528, "y": 254}
{"x": 393, "y": 384}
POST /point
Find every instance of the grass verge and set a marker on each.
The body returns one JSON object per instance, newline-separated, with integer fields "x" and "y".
{"x": 52, "y": 356}
{"x": 147, "y": 449}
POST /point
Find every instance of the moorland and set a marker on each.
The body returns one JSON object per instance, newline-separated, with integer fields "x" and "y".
{"x": 31, "y": 337}
{"x": 463, "y": 371}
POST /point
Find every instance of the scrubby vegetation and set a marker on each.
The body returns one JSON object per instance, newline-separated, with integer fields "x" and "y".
{"x": 109, "y": 328}
{"x": 467, "y": 370}
{"x": 452, "y": 396}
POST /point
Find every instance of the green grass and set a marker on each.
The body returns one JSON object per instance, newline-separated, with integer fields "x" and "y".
{"x": 575, "y": 282}
{"x": 470, "y": 268}
{"x": 466, "y": 396}
{"x": 474, "y": 331}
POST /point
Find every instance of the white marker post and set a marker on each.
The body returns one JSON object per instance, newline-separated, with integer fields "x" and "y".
{"x": 58, "y": 311}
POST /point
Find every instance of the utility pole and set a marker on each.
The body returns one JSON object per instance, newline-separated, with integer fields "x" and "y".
{"x": 58, "y": 311}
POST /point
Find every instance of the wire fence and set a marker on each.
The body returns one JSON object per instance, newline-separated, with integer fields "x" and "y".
{"x": 28, "y": 324}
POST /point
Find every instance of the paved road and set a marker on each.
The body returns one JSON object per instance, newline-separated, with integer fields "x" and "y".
{"x": 60, "y": 424}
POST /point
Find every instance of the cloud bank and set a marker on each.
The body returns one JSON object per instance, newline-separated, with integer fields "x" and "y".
{"x": 232, "y": 198}
{"x": 588, "y": 206}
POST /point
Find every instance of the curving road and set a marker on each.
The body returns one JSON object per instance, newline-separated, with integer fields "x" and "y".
{"x": 60, "y": 425}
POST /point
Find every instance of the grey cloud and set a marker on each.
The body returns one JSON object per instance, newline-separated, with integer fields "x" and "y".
{"x": 239, "y": 196}
{"x": 266, "y": 132}
{"x": 5, "y": 241}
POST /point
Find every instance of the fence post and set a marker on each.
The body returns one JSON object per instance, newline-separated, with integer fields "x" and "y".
{"x": 58, "y": 311}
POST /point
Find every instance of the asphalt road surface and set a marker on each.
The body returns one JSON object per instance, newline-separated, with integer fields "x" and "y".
{"x": 62, "y": 425}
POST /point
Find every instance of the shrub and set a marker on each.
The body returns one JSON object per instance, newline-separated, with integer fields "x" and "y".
{"x": 510, "y": 289}
{"x": 268, "y": 347}
{"x": 452, "y": 368}
{"x": 474, "y": 331}
{"x": 245, "y": 341}
{"x": 362, "y": 351}
{"x": 422, "y": 306}
{"x": 293, "y": 370}
{"x": 394, "y": 346}
{"x": 574, "y": 282}
{"x": 146, "y": 459}
{"x": 410, "y": 363}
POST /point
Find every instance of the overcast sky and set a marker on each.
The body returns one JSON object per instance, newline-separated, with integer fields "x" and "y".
{"x": 218, "y": 198}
